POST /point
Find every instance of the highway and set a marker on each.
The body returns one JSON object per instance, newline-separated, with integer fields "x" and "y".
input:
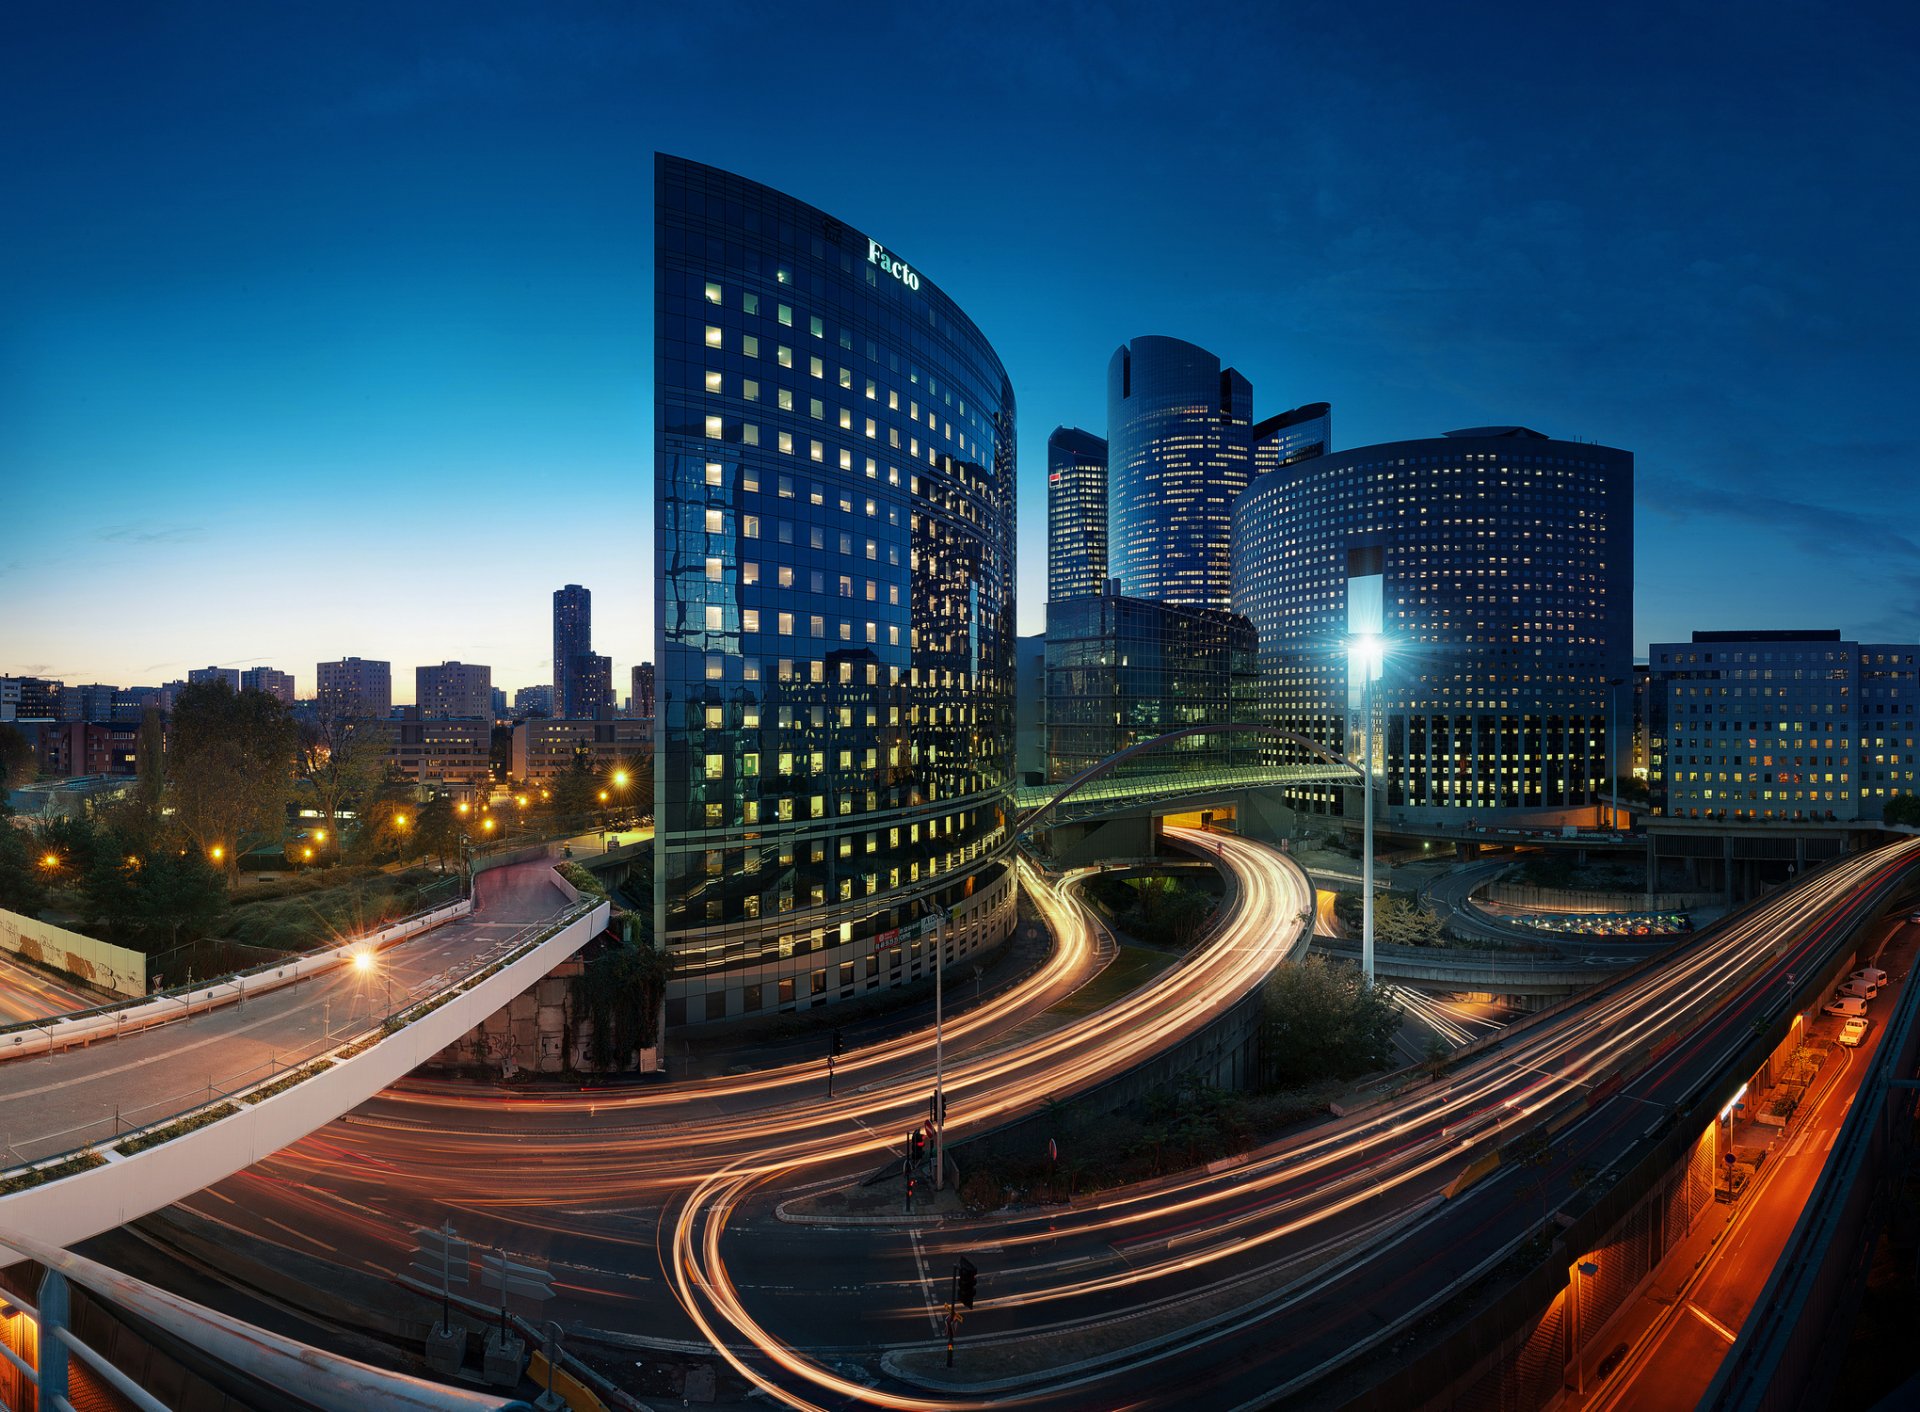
{"x": 93, "y": 1094}
{"x": 1246, "y": 1247}
{"x": 583, "y": 1178}
{"x": 1233, "y": 1286}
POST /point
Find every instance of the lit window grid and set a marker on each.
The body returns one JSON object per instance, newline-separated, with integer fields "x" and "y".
{"x": 836, "y": 549}
{"x": 1507, "y": 604}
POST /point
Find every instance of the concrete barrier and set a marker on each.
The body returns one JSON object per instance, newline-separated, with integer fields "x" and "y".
{"x": 98, "y": 963}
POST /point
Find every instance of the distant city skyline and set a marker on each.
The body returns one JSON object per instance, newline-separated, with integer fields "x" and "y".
{"x": 377, "y": 340}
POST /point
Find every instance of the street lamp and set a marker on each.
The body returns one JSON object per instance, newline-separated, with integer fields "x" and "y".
{"x": 1613, "y": 761}
{"x": 1366, "y": 652}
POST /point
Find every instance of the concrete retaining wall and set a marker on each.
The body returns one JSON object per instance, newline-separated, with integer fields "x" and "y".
{"x": 1525, "y": 897}
{"x": 98, "y": 963}
{"x": 72, "y": 1209}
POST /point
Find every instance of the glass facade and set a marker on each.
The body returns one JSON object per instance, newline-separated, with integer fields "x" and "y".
{"x": 1779, "y": 726}
{"x": 1076, "y": 513}
{"x": 572, "y": 641}
{"x": 1123, "y": 670}
{"x": 1298, "y": 435}
{"x": 1506, "y": 562}
{"x": 834, "y": 686}
{"x": 1179, "y": 455}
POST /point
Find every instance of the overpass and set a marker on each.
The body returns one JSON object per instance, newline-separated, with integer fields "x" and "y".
{"x": 1165, "y": 791}
{"x": 1496, "y": 972}
{"x": 98, "y": 1134}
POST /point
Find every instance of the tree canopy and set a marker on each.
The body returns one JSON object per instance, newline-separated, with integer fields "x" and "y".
{"x": 228, "y": 769}
{"x": 1324, "y": 1020}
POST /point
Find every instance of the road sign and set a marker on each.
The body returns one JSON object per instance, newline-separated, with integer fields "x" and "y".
{"x": 512, "y": 1279}
{"x": 441, "y": 1256}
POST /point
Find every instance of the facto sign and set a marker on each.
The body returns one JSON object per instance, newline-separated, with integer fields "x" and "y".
{"x": 899, "y": 269}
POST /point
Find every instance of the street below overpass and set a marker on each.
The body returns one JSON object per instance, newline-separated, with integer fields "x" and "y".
{"x": 1278, "y": 1278}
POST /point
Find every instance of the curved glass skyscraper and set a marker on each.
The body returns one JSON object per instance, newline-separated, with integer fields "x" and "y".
{"x": 1179, "y": 453}
{"x": 1076, "y": 513}
{"x": 1503, "y": 561}
{"x": 834, "y": 491}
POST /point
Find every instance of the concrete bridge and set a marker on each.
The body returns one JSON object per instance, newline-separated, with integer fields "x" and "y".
{"x": 101, "y": 1133}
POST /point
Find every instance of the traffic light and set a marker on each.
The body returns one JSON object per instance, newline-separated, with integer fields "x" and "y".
{"x": 839, "y": 1045}
{"x": 917, "y": 1144}
{"x": 965, "y": 1277}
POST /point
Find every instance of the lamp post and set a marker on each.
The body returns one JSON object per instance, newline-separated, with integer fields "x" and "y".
{"x": 1613, "y": 760}
{"x": 941, "y": 922}
{"x": 1365, "y": 650}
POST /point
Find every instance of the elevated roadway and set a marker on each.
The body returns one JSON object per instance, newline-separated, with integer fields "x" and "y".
{"x": 122, "y": 1127}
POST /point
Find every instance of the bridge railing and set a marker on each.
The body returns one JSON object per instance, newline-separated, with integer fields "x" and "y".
{"x": 50, "y": 1156}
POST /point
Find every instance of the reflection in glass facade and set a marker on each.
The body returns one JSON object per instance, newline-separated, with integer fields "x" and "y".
{"x": 1179, "y": 454}
{"x": 1779, "y": 726}
{"x": 1076, "y": 513}
{"x": 1507, "y": 597}
{"x": 834, "y": 492}
{"x": 1123, "y": 670}
{"x": 1298, "y": 435}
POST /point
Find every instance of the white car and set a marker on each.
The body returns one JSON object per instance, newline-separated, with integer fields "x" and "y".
{"x": 1847, "y": 1007}
{"x": 1865, "y": 989}
{"x": 1853, "y": 1031}
{"x": 1871, "y": 974}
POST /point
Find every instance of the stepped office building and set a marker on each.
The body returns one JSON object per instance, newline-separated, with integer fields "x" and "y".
{"x": 1504, "y": 564}
{"x": 834, "y": 492}
{"x": 1179, "y": 454}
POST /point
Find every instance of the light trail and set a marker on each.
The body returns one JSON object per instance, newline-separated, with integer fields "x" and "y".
{"x": 1324, "y": 1175}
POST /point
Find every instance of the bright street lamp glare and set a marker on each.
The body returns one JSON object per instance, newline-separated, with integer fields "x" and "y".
{"x": 1368, "y": 650}
{"x": 218, "y": 853}
{"x": 400, "y": 821}
{"x": 363, "y": 960}
{"x": 51, "y": 860}
{"x": 619, "y": 779}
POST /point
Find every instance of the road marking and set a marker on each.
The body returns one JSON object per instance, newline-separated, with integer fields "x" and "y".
{"x": 1793, "y": 1148}
{"x": 1830, "y": 1137}
{"x": 300, "y": 1235}
{"x": 926, "y": 1283}
{"x": 1704, "y": 1317}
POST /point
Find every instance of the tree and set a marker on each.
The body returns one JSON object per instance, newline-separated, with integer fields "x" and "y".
{"x": 439, "y": 830}
{"x": 151, "y": 760}
{"x": 575, "y": 791}
{"x": 228, "y": 769}
{"x": 19, "y": 762}
{"x": 341, "y": 761}
{"x": 1324, "y": 1020}
{"x": 1397, "y": 921}
{"x": 150, "y": 896}
{"x": 1901, "y": 809}
{"x": 22, "y": 889}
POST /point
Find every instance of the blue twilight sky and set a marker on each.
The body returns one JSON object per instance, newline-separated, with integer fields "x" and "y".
{"x": 325, "y": 328}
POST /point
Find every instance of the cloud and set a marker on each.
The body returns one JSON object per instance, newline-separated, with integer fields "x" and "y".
{"x": 152, "y": 534}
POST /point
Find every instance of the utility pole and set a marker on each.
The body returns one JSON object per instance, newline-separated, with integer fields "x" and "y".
{"x": 939, "y": 1019}
{"x": 1613, "y": 761}
{"x": 1366, "y": 829}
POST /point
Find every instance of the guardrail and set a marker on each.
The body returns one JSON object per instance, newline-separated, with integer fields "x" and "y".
{"x": 255, "y": 1083}
{"x": 28, "y": 1038}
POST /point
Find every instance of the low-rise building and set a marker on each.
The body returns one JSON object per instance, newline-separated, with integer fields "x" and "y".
{"x": 544, "y": 749}
{"x": 457, "y": 754}
{"x": 1785, "y": 727}
{"x": 266, "y": 680}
